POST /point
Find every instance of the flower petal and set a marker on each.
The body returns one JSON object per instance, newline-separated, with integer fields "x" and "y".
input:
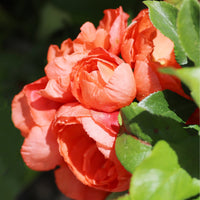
{"x": 73, "y": 188}
{"x": 40, "y": 149}
{"x": 146, "y": 80}
{"x": 21, "y": 115}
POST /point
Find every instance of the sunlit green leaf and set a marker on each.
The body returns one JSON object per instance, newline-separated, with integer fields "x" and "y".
{"x": 130, "y": 151}
{"x": 164, "y": 16}
{"x": 159, "y": 176}
{"x": 176, "y": 3}
{"x": 169, "y": 104}
{"x": 190, "y": 77}
{"x": 189, "y": 29}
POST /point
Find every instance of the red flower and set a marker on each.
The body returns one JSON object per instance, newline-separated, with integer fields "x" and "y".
{"x": 108, "y": 34}
{"x": 32, "y": 114}
{"x": 102, "y": 81}
{"x": 147, "y": 50}
{"x": 86, "y": 141}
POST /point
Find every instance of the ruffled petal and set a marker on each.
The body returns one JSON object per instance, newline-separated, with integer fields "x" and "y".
{"x": 73, "y": 188}
{"x": 146, "y": 80}
{"x": 21, "y": 115}
{"x": 42, "y": 109}
{"x": 58, "y": 90}
{"x": 40, "y": 149}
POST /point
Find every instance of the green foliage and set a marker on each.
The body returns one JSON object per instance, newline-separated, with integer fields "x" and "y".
{"x": 130, "y": 151}
{"x": 117, "y": 195}
{"x": 160, "y": 177}
{"x": 150, "y": 124}
{"x": 189, "y": 29}
{"x": 189, "y": 76}
{"x": 176, "y": 3}
{"x": 168, "y": 104}
{"x": 164, "y": 16}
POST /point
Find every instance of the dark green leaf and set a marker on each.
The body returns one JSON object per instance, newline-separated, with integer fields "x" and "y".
{"x": 117, "y": 195}
{"x": 151, "y": 128}
{"x": 130, "y": 151}
{"x": 127, "y": 114}
{"x": 189, "y": 29}
{"x": 164, "y": 16}
{"x": 159, "y": 176}
{"x": 125, "y": 197}
{"x": 169, "y": 104}
{"x": 190, "y": 77}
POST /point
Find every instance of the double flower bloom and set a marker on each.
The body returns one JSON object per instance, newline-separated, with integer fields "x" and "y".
{"x": 69, "y": 117}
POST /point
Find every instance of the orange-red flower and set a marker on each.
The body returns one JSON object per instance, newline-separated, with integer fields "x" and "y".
{"x": 102, "y": 81}
{"x": 86, "y": 141}
{"x": 146, "y": 49}
{"x": 108, "y": 34}
{"x": 32, "y": 114}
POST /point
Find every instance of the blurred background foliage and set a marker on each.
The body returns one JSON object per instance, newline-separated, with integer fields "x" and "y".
{"x": 27, "y": 28}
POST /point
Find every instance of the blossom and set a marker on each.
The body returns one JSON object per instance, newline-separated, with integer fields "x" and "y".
{"x": 32, "y": 114}
{"x": 147, "y": 50}
{"x": 108, "y": 34}
{"x": 102, "y": 81}
{"x": 86, "y": 141}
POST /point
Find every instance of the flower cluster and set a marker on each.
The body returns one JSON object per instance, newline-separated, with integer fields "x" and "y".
{"x": 69, "y": 117}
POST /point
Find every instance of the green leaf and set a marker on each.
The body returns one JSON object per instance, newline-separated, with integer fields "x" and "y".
{"x": 169, "y": 104}
{"x": 152, "y": 128}
{"x": 130, "y": 151}
{"x": 160, "y": 177}
{"x": 189, "y": 29}
{"x": 190, "y": 77}
{"x": 127, "y": 114}
{"x": 176, "y": 3}
{"x": 164, "y": 16}
{"x": 117, "y": 195}
{"x": 125, "y": 197}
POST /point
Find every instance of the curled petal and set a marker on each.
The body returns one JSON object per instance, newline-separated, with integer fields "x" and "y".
{"x": 88, "y": 148}
{"x": 58, "y": 90}
{"x": 54, "y": 51}
{"x": 97, "y": 82}
{"x": 42, "y": 109}
{"x": 146, "y": 80}
{"x": 21, "y": 115}
{"x": 73, "y": 188}
{"x": 40, "y": 149}
{"x": 114, "y": 22}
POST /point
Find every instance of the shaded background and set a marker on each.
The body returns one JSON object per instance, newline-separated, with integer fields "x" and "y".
{"x": 27, "y": 28}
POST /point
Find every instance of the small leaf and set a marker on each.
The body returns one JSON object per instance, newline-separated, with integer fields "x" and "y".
{"x": 159, "y": 176}
{"x": 130, "y": 151}
{"x": 189, "y": 29}
{"x": 164, "y": 16}
{"x": 190, "y": 77}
